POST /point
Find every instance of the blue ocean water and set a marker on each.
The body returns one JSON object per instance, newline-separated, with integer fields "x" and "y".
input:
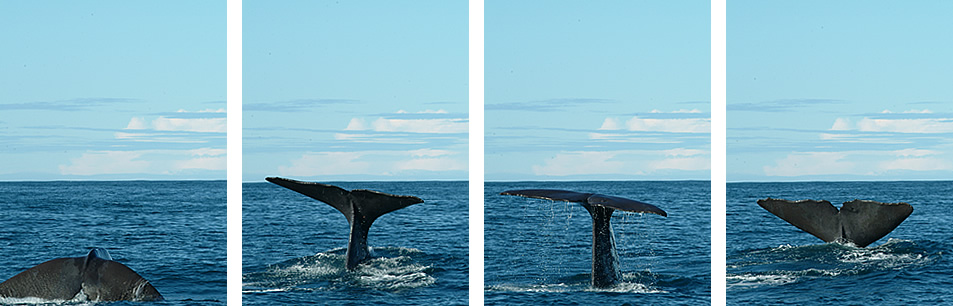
{"x": 293, "y": 248}
{"x": 538, "y": 252}
{"x": 772, "y": 262}
{"x": 170, "y": 232}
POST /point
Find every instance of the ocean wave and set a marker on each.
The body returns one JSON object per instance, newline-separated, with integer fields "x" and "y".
{"x": 787, "y": 264}
{"x": 756, "y": 280}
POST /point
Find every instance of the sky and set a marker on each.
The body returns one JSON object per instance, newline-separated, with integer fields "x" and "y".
{"x": 112, "y": 90}
{"x": 843, "y": 90}
{"x": 611, "y": 90}
{"x": 369, "y": 91}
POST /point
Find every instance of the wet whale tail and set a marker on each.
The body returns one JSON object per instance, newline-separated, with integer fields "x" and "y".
{"x": 858, "y": 222}
{"x": 360, "y": 207}
{"x": 96, "y": 277}
{"x": 605, "y": 259}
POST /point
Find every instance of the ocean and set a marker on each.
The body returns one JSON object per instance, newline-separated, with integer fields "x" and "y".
{"x": 772, "y": 262}
{"x": 293, "y": 248}
{"x": 538, "y": 252}
{"x": 170, "y": 232}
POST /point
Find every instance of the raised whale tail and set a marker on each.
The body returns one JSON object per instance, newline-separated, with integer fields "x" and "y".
{"x": 96, "y": 275}
{"x": 858, "y": 222}
{"x": 605, "y": 260}
{"x": 360, "y": 207}
{"x": 593, "y": 199}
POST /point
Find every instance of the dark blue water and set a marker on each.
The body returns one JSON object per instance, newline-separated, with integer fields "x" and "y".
{"x": 539, "y": 252}
{"x": 171, "y": 233}
{"x": 772, "y": 262}
{"x": 293, "y": 248}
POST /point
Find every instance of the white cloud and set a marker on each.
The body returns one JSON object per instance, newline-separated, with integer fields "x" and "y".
{"x": 155, "y": 162}
{"x": 326, "y": 163}
{"x": 686, "y": 125}
{"x": 429, "y": 153}
{"x": 912, "y": 111}
{"x": 203, "y": 163}
{"x": 916, "y": 164}
{"x": 685, "y": 152}
{"x": 623, "y": 162}
{"x": 433, "y": 126}
{"x": 389, "y": 163}
{"x": 915, "y": 160}
{"x": 811, "y": 163}
{"x": 376, "y": 138}
{"x": 106, "y": 162}
{"x": 579, "y": 163}
{"x": 203, "y": 125}
{"x": 841, "y": 124}
{"x": 681, "y": 111}
{"x": 431, "y": 164}
{"x": 429, "y": 111}
{"x": 162, "y": 123}
{"x": 610, "y": 137}
{"x": 420, "y": 125}
{"x": 143, "y": 137}
{"x": 920, "y": 125}
{"x": 683, "y": 163}
{"x": 611, "y": 124}
{"x": 864, "y": 138}
{"x": 208, "y": 152}
{"x": 137, "y": 123}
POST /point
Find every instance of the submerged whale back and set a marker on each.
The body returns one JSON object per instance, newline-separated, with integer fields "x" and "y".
{"x": 858, "y": 222}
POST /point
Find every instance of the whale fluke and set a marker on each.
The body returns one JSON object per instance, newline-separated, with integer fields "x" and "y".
{"x": 605, "y": 260}
{"x": 594, "y": 199}
{"x": 858, "y": 222}
{"x": 360, "y": 207}
{"x": 95, "y": 275}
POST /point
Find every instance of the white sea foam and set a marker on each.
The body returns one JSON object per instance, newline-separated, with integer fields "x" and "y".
{"x": 756, "y": 280}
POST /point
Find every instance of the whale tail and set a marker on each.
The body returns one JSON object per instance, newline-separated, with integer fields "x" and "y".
{"x": 95, "y": 275}
{"x": 593, "y": 199}
{"x": 858, "y": 222}
{"x": 360, "y": 207}
{"x": 605, "y": 259}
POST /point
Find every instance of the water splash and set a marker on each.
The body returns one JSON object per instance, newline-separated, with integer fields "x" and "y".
{"x": 392, "y": 269}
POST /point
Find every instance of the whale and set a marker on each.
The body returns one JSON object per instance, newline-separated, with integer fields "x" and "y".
{"x": 94, "y": 277}
{"x": 361, "y": 208}
{"x": 605, "y": 259}
{"x": 858, "y": 222}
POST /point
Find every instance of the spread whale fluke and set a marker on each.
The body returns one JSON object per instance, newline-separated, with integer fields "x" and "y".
{"x": 95, "y": 276}
{"x": 605, "y": 260}
{"x": 858, "y": 222}
{"x": 361, "y": 207}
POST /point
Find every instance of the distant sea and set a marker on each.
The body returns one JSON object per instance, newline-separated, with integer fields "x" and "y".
{"x": 294, "y": 247}
{"x": 170, "y": 232}
{"x": 538, "y": 252}
{"x": 772, "y": 262}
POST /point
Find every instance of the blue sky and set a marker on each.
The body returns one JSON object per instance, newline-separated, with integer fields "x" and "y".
{"x": 606, "y": 90}
{"x": 355, "y": 91}
{"x": 843, "y": 90}
{"x": 112, "y": 90}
